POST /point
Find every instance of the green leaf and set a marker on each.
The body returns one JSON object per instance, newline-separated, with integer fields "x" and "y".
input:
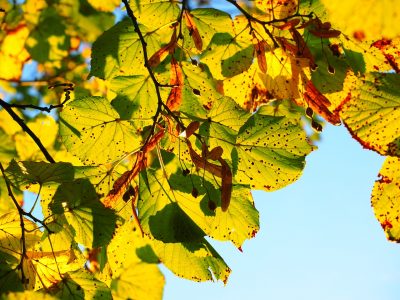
{"x": 159, "y": 213}
{"x": 208, "y": 22}
{"x": 385, "y": 198}
{"x": 82, "y": 285}
{"x": 11, "y": 234}
{"x": 139, "y": 281}
{"x": 7, "y": 147}
{"x": 231, "y": 51}
{"x": 78, "y": 202}
{"x": 118, "y": 51}
{"x": 92, "y": 130}
{"x": 27, "y": 295}
{"x": 82, "y": 19}
{"x": 10, "y": 279}
{"x": 224, "y": 120}
{"x": 197, "y": 261}
{"x": 24, "y": 173}
{"x": 199, "y": 93}
{"x": 371, "y": 113}
{"x": 271, "y": 152}
{"x": 155, "y": 14}
{"x": 238, "y": 223}
{"x": 137, "y": 98}
{"x": 127, "y": 247}
{"x": 49, "y": 42}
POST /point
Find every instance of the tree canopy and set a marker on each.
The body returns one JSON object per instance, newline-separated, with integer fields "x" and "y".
{"x": 141, "y": 128}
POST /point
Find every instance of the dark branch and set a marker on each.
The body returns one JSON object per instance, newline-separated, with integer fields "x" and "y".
{"x": 157, "y": 85}
{"x": 22, "y": 124}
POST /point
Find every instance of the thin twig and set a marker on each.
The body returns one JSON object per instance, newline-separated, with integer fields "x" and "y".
{"x": 22, "y": 224}
{"x": 250, "y": 18}
{"x": 25, "y": 128}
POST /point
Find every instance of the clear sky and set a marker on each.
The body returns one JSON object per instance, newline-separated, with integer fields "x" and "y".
{"x": 319, "y": 239}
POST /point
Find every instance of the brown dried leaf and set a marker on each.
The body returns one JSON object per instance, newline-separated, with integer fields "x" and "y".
{"x": 319, "y": 103}
{"x": 259, "y": 48}
{"x": 162, "y": 53}
{"x": 215, "y": 153}
{"x": 226, "y": 185}
{"x": 193, "y": 31}
{"x": 192, "y": 127}
{"x": 174, "y": 100}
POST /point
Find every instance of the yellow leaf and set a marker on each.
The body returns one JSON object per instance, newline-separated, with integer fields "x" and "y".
{"x": 374, "y": 19}
{"x": 7, "y": 123}
{"x": 13, "y": 53}
{"x": 108, "y": 5}
{"x": 32, "y": 10}
{"x": 277, "y": 9}
{"x": 140, "y": 281}
{"x": 46, "y": 130}
{"x": 385, "y": 198}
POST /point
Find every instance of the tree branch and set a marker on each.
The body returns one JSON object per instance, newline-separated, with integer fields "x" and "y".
{"x": 24, "y": 127}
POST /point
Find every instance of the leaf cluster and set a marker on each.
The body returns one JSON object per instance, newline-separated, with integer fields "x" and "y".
{"x": 143, "y": 137}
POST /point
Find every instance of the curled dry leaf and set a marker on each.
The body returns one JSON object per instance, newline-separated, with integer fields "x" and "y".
{"x": 163, "y": 52}
{"x": 215, "y": 153}
{"x": 319, "y": 103}
{"x": 223, "y": 171}
{"x": 193, "y": 31}
{"x": 121, "y": 185}
{"x": 174, "y": 100}
{"x": 192, "y": 128}
{"x": 326, "y": 34}
{"x": 289, "y": 24}
{"x": 302, "y": 48}
{"x": 226, "y": 184}
{"x": 260, "y": 46}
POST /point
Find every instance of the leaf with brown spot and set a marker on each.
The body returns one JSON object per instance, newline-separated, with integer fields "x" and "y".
{"x": 385, "y": 198}
{"x": 193, "y": 31}
{"x": 163, "y": 52}
{"x": 123, "y": 182}
{"x": 302, "y": 47}
{"x": 174, "y": 100}
{"x": 372, "y": 113}
{"x": 319, "y": 103}
{"x": 259, "y": 49}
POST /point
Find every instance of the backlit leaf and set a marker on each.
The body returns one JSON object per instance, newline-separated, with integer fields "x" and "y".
{"x": 46, "y": 130}
{"x": 118, "y": 51}
{"x": 374, "y": 19}
{"x": 78, "y": 202}
{"x": 136, "y": 98}
{"x": 29, "y": 172}
{"x": 139, "y": 281}
{"x": 371, "y": 113}
{"x": 82, "y": 285}
{"x": 202, "y": 24}
{"x": 155, "y": 14}
{"x": 27, "y": 295}
{"x": 91, "y": 129}
{"x": 273, "y": 146}
{"x": 385, "y": 198}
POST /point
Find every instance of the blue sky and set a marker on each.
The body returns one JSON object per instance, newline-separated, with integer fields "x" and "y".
{"x": 319, "y": 239}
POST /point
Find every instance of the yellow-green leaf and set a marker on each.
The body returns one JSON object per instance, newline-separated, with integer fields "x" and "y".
{"x": 371, "y": 113}
{"x": 385, "y": 198}
{"x": 140, "y": 281}
{"x": 92, "y": 130}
